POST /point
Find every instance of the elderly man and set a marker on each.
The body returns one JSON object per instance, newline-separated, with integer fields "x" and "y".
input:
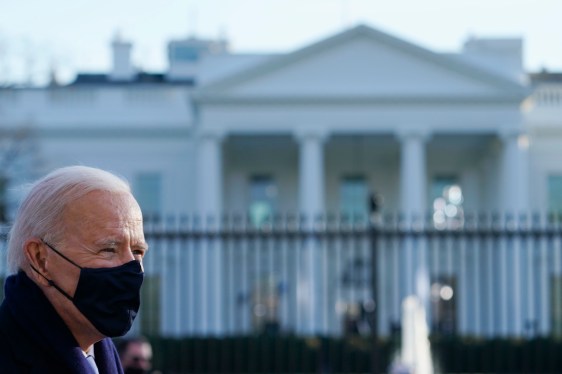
{"x": 76, "y": 249}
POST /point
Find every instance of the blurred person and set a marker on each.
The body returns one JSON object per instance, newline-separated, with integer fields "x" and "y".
{"x": 136, "y": 355}
{"x": 75, "y": 251}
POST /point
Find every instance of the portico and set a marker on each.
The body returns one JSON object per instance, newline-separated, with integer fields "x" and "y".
{"x": 316, "y": 131}
{"x": 405, "y": 100}
{"x": 308, "y": 167}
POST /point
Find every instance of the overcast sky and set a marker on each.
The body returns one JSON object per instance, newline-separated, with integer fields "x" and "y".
{"x": 74, "y": 35}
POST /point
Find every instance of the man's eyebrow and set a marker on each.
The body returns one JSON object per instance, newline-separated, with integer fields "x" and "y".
{"x": 116, "y": 242}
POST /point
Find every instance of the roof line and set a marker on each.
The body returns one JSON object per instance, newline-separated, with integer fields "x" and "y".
{"x": 387, "y": 39}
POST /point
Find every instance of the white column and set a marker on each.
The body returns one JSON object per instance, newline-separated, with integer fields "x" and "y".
{"x": 515, "y": 182}
{"x": 311, "y": 173}
{"x": 413, "y": 200}
{"x": 209, "y": 175}
{"x": 209, "y": 204}
{"x": 514, "y": 190}
{"x": 413, "y": 179}
{"x": 311, "y": 204}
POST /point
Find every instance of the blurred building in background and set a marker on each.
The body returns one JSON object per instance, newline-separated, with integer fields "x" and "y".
{"x": 311, "y": 131}
{"x": 318, "y": 130}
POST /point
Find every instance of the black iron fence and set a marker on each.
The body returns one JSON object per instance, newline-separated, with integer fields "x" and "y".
{"x": 326, "y": 296}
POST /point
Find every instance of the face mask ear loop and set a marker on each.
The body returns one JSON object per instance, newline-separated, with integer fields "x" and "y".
{"x": 60, "y": 254}
{"x": 51, "y": 283}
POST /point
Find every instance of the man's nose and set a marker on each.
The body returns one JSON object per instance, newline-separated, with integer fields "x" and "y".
{"x": 128, "y": 256}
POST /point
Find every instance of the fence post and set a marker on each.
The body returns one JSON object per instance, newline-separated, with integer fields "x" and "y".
{"x": 374, "y": 234}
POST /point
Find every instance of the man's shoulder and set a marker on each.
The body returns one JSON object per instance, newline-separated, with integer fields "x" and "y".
{"x": 18, "y": 352}
{"x": 11, "y": 345}
{"x": 7, "y": 321}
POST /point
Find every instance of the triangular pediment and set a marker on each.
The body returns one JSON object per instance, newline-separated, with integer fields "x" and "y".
{"x": 361, "y": 63}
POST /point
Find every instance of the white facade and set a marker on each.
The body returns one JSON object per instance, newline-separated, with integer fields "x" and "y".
{"x": 304, "y": 118}
{"x": 360, "y": 103}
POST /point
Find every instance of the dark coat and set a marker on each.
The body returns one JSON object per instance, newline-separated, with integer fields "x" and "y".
{"x": 34, "y": 339}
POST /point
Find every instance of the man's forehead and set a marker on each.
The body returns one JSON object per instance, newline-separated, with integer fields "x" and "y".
{"x": 104, "y": 202}
{"x": 104, "y": 217}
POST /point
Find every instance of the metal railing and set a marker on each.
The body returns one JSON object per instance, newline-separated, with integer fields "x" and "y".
{"x": 494, "y": 279}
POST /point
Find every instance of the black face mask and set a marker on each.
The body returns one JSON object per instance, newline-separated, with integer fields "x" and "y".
{"x": 108, "y": 297}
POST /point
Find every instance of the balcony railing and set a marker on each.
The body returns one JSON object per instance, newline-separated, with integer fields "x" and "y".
{"x": 545, "y": 96}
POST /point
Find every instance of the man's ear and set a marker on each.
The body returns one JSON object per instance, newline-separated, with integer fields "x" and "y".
{"x": 36, "y": 255}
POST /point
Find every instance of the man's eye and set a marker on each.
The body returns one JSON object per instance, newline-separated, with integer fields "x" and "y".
{"x": 138, "y": 253}
{"x": 108, "y": 250}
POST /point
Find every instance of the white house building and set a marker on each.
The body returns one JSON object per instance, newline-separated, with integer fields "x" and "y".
{"x": 313, "y": 131}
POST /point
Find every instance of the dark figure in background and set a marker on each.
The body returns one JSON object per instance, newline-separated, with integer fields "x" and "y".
{"x": 75, "y": 251}
{"x": 375, "y": 207}
{"x": 136, "y": 355}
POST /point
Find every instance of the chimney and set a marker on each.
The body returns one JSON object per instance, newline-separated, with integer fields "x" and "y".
{"x": 503, "y": 56}
{"x": 122, "y": 70}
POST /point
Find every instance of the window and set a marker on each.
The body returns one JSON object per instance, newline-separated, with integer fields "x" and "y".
{"x": 447, "y": 198}
{"x": 263, "y": 198}
{"x": 148, "y": 193}
{"x": 354, "y": 196}
{"x": 555, "y": 193}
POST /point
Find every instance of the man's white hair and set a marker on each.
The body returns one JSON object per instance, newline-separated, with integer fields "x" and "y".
{"x": 40, "y": 213}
